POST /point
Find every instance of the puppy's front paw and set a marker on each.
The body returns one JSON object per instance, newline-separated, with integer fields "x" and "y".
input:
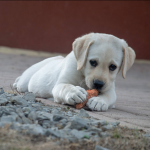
{"x": 76, "y": 95}
{"x": 97, "y": 104}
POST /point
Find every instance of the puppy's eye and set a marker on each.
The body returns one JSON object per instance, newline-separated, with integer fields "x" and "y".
{"x": 112, "y": 67}
{"x": 93, "y": 63}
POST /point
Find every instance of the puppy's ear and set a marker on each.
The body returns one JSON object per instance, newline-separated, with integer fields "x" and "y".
{"x": 80, "y": 48}
{"x": 128, "y": 60}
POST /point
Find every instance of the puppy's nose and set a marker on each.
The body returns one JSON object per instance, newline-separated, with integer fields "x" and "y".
{"x": 98, "y": 84}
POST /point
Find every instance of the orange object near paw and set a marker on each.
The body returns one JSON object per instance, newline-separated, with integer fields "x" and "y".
{"x": 91, "y": 93}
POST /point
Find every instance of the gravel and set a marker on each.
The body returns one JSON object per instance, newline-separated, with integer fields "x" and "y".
{"x": 27, "y": 116}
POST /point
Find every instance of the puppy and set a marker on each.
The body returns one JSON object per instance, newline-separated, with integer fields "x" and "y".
{"x": 94, "y": 63}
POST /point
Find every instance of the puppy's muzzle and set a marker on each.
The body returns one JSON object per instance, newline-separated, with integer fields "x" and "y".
{"x": 98, "y": 84}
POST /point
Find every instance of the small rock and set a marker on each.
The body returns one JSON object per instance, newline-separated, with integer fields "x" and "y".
{"x": 32, "y": 115}
{"x": 79, "y": 123}
{"x": 52, "y": 132}
{"x": 69, "y": 114}
{"x": 33, "y": 129}
{"x": 3, "y": 101}
{"x": 96, "y": 130}
{"x": 58, "y": 117}
{"x": 26, "y": 120}
{"x": 103, "y": 134}
{"x": 19, "y": 112}
{"x": 80, "y": 134}
{"x": 19, "y": 100}
{"x": 107, "y": 127}
{"x": 10, "y": 118}
{"x": 45, "y": 123}
{"x": 44, "y": 115}
{"x": 83, "y": 113}
{"x": 97, "y": 147}
{"x": 29, "y": 96}
{"x": 96, "y": 122}
{"x": 2, "y": 124}
{"x": 55, "y": 111}
{"x": 15, "y": 126}
{"x": 26, "y": 109}
{"x": 1, "y": 91}
{"x": 147, "y": 135}
{"x": 114, "y": 124}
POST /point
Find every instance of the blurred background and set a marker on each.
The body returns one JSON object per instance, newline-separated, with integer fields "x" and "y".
{"x": 52, "y": 26}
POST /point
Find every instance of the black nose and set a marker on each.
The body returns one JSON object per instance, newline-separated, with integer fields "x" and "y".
{"x": 98, "y": 84}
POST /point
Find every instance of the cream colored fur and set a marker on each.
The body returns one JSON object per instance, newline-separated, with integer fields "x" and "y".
{"x": 67, "y": 79}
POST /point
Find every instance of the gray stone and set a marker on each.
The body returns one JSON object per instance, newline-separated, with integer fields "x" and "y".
{"x": 29, "y": 96}
{"x": 69, "y": 113}
{"x": 36, "y": 105}
{"x": 95, "y": 130}
{"x": 2, "y": 124}
{"x": 97, "y": 147}
{"x": 101, "y": 122}
{"x": 79, "y": 123}
{"x": 114, "y": 124}
{"x": 58, "y": 117}
{"x": 10, "y": 118}
{"x": 19, "y": 120}
{"x": 83, "y": 113}
{"x": 19, "y": 100}
{"x": 80, "y": 134}
{"x": 52, "y": 132}
{"x": 26, "y": 109}
{"x": 26, "y": 120}
{"x": 107, "y": 127}
{"x": 44, "y": 116}
{"x": 55, "y": 111}
{"x": 6, "y": 110}
{"x": 33, "y": 129}
{"x": 147, "y": 135}
{"x": 104, "y": 134}
{"x": 3, "y": 101}
{"x": 45, "y": 123}
{"x": 1, "y": 91}
{"x": 15, "y": 126}
{"x": 19, "y": 112}
{"x": 32, "y": 115}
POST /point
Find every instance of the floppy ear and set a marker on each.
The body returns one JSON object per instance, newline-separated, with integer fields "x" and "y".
{"x": 80, "y": 48}
{"x": 128, "y": 60}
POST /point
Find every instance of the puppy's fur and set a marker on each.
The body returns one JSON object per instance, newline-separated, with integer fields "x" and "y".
{"x": 67, "y": 79}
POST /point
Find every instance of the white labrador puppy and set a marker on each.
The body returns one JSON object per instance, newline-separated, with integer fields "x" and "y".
{"x": 94, "y": 63}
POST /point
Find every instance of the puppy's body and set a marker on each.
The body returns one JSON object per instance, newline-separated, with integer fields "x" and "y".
{"x": 67, "y": 79}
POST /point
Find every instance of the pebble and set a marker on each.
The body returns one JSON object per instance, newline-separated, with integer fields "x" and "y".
{"x": 107, "y": 127}
{"x": 147, "y": 135}
{"x": 80, "y": 134}
{"x": 97, "y": 147}
{"x": 57, "y": 117}
{"x": 79, "y": 123}
{"x": 3, "y": 101}
{"x": 83, "y": 113}
{"x": 1, "y": 91}
{"x": 29, "y": 96}
{"x": 19, "y": 100}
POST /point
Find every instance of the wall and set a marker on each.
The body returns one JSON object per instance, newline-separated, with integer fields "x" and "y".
{"x": 53, "y": 25}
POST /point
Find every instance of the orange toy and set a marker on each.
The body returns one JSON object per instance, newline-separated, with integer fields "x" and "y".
{"x": 91, "y": 93}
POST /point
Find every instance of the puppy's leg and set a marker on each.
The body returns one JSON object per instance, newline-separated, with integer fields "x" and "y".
{"x": 102, "y": 102}
{"x": 69, "y": 94}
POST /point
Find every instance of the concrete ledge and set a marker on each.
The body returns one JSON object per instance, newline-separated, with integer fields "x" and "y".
{"x": 18, "y": 51}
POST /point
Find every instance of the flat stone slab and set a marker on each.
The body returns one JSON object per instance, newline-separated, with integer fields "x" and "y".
{"x": 133, "y": 102}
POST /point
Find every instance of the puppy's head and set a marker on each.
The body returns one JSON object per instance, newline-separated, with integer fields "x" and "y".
{"x": 100, "y": 57}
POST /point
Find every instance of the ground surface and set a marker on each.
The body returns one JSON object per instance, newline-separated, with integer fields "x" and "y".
{"x": 133, "y": 102}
